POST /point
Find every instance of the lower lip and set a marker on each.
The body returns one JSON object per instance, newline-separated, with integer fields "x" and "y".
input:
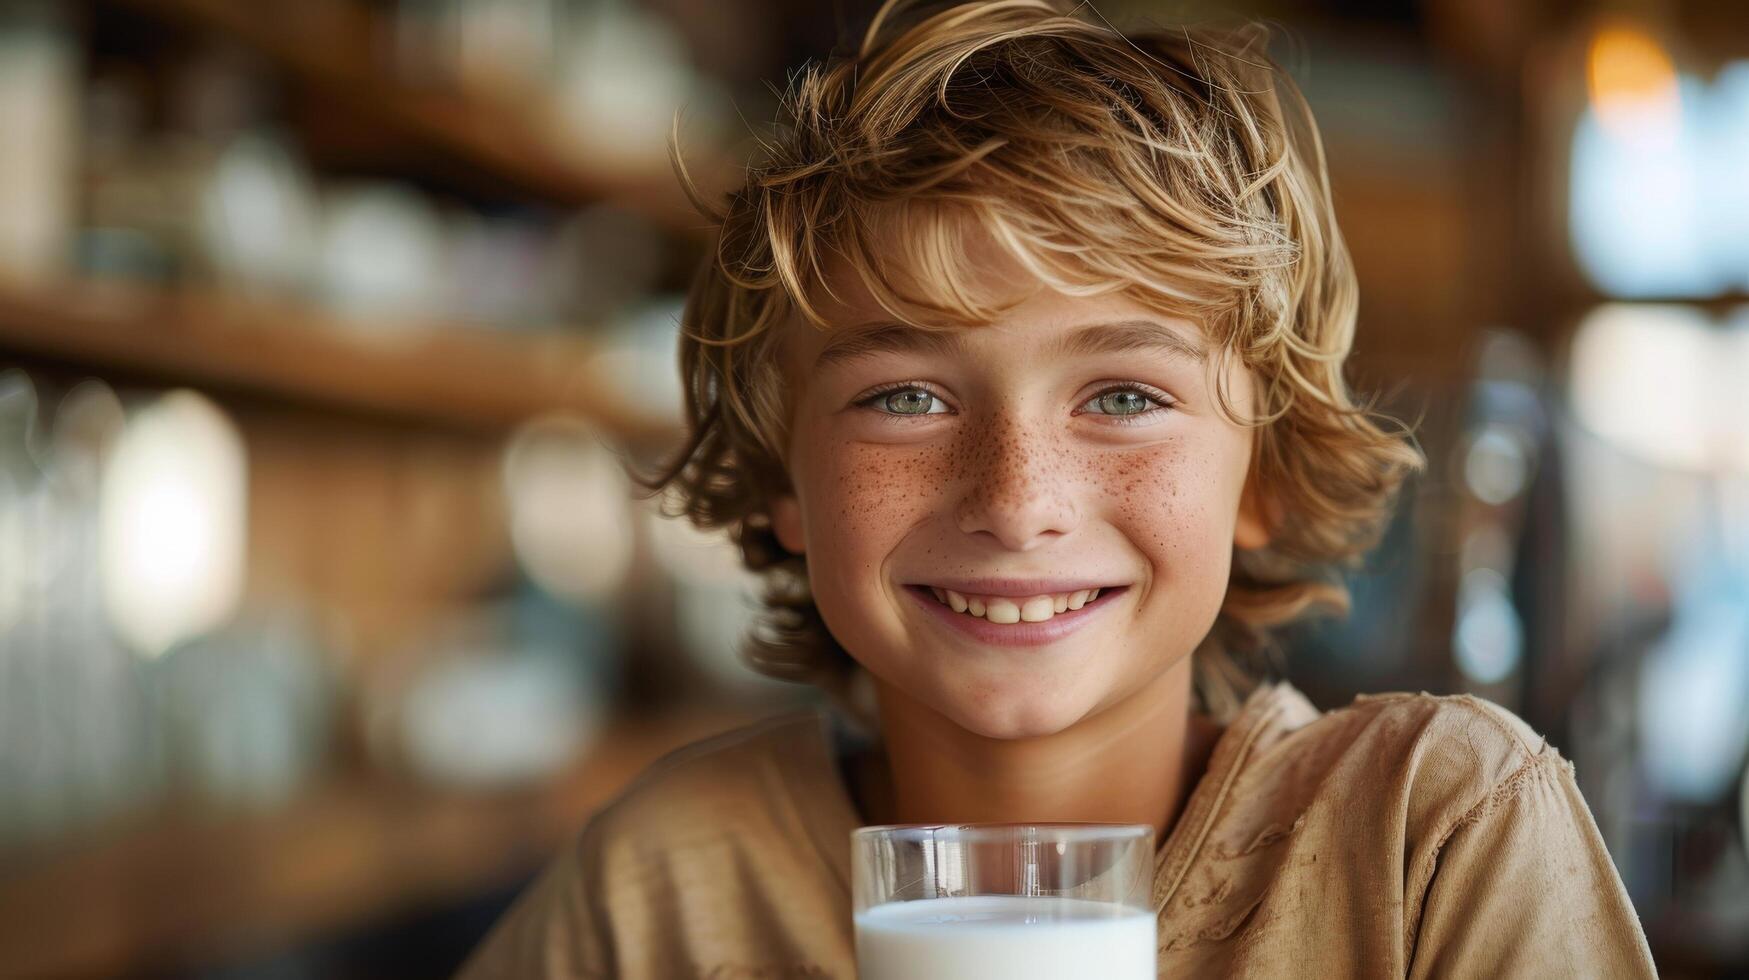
{"x": 1022, "y": 634}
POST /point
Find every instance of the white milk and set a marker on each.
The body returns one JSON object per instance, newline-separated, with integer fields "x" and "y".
{"x": 1012, "y": 937}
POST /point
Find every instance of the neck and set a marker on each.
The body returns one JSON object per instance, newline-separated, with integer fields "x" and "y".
{"x": 1134, "y": 762}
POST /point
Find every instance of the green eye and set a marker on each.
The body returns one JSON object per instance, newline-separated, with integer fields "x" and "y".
{"x": 908, "y": 401}
{"x": 1123, "y": 402}
{"x": 904, "y": 400}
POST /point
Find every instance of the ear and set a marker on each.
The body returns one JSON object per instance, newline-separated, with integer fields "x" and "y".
{"x": 1258, "y": 516}
{"x": 786, "y": 523}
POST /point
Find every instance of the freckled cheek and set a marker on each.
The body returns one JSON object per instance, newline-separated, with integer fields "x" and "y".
{"x": 871, "y": 495}
{"x": 1171, "y": 503}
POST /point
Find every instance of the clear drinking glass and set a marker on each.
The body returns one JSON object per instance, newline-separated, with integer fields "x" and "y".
{"x": 1016, "y": 901}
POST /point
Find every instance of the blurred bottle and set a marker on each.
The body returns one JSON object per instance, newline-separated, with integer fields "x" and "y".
{"x": 125, "y": 233}
{"x": 1694, "y": 679}
{"x": 211, "y": 195}
{"x": 75, "y": 732}
{"x": 1509, "y": 602}
{"x": 21, "y": 796}
{"x": 108, "y": 752}
{"x": 39, "y": 111}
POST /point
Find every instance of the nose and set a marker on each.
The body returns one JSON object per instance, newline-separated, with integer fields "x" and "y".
{"x": 1019, "y": 489}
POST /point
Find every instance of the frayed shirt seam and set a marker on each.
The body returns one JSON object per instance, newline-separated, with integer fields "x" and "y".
{"x": 1503, "y": 792}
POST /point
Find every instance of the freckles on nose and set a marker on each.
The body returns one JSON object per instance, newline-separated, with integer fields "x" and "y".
{"x": 1012, "y": 467}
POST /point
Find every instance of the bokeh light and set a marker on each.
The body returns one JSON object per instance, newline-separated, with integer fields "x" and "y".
{"x": 173, "y": 523}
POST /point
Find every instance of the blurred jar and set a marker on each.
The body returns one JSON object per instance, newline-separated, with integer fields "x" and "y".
{"x": 501, "y": 695}
{"x": 381, "y": 254}
{"x": 501, "y": 46}
{"x": 717, "y": 603}
{"x": 494, "y": 271}
{"x": 623, "y": 73}
{"x": 634, "y": 354}
{"x": 601, "y": 261}
{"x": 258, "y": 217}
{"x": 246, "y": 712}
{"x": 567, "y": 503}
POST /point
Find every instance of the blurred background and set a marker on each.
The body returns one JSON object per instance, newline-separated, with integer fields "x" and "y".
{"x": 327, "y": 613}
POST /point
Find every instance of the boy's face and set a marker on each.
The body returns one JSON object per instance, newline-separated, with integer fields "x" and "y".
{"x": 1003, "y": 454}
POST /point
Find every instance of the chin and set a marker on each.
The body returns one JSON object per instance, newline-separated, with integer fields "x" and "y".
{"x": 1016, "y": 715}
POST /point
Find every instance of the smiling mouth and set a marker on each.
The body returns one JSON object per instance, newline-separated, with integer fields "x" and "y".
{"x": 1008, "y": 610}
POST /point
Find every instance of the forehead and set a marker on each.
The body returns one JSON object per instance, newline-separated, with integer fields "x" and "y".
{"x": 1051, "y": 324}
{"x": 948, "y": 263}
{"x": 943, "y": 259}
{"x": 1100, "y": 335}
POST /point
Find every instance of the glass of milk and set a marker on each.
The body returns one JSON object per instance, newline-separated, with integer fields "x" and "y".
{"x": 1015, "y": 901}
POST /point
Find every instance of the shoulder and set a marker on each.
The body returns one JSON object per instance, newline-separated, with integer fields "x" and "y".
{"x": 1485, "y": 733}
{"x": 1429, "y": 759}
{"x": 724, "y": 787}
{"x": 722, "y": 762}
{"x": 1457, "y": 734}
{"x": 652, "y": 884}
{"x": 1459, "y": 731}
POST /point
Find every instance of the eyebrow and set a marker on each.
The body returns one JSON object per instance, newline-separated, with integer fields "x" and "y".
{"x": 1114, "y": 337}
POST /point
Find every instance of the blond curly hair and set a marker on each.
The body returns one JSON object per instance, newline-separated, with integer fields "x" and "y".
{"x": 1180, "y": 166}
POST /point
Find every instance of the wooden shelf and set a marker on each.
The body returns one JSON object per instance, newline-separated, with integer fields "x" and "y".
{"x": 468, "y": 378}
{"x": 334, "y": 48}
{"x": 183, "y": 889}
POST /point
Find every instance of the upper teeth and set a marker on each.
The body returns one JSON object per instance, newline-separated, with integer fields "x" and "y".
{"x": 1006, "y": 609}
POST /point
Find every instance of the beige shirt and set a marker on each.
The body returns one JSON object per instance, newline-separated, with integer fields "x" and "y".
{"x": 1403, "y": 835}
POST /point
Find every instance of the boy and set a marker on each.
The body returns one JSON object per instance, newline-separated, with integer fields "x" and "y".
{"x": 1017, "y": 370}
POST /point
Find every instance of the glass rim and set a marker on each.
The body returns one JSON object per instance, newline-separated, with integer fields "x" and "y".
{"x": 1065, "y": 831}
